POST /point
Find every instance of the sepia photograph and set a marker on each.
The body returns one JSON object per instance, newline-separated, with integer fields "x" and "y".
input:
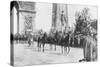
{"x": 52, "y": 33}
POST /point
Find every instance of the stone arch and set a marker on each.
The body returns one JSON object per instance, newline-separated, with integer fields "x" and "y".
{"x": 14, "y": 4}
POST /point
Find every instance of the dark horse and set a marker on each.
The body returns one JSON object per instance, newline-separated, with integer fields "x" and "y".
{"x": 65, "y": 43}
{"x": 41, "y": 41}
{"x": 62, "y": 41}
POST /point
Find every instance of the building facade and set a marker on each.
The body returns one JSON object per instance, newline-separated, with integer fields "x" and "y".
{"x": 25, "y": 15}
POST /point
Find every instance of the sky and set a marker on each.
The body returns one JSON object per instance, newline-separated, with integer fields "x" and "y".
{"x": 44, "y": 14}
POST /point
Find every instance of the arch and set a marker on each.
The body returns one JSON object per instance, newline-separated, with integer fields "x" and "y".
{"x": 14, "y": 3}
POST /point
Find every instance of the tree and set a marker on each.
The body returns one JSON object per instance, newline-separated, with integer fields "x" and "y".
{"x": 82, "y": 22}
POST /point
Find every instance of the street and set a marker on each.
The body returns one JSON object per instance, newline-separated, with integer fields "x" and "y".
{"x": 24, "y": 55}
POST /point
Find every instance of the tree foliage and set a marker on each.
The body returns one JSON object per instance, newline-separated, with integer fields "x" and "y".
{"x": 82, "y": 22}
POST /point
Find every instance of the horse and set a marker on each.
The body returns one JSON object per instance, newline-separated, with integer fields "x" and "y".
{"x": 51, "y": 41}
{"x": 56, "y": 39}
{"x": 41, "y": 41}
{"x": 65, "y": 43}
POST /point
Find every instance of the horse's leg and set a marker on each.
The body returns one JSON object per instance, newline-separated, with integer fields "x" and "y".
{"x": 38, "y": 46}
{"x": 55, "y": 47}
{"x": 50, "y": 46}
{"x": 43, "y": 47}
{"x": 68, "y": 46}
{"x": 65, "y": 49}
{"x": 29, "y": 44}
{"x": 73, "y": 42}
{"x": 62, "y": 49}
{"x": 68, "y": 50}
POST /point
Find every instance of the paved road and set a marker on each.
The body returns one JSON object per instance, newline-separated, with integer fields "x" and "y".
{"x": 24, "y": 55}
